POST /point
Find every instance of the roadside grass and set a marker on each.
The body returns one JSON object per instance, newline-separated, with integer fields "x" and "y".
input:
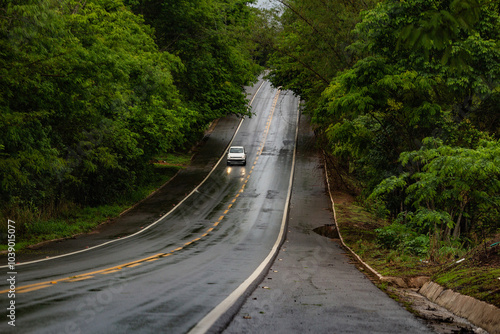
{"x": 174, "y": 159}
{"x": 358, "y": 226}
{"x": 68, "y": 219}
{"x": 478, "y": 275}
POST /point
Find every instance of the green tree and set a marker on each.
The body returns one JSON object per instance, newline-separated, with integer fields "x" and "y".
{"x": 87, "y": 100}
{"x": 311, "y": 45}
{"x": 454, "y": 190}
{"x": 396, "y": 96}
{"x": 212, "y": 39}
{"x": 264, "y": 30}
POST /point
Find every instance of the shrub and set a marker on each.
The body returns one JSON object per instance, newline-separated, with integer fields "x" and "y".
{"x": 400, "y": 237}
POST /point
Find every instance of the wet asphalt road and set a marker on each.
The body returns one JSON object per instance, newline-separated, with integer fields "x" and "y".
{"x": 313, "y": 286}
{"x": 173, "y": 274}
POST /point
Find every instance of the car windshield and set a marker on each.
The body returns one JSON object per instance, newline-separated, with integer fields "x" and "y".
{"x": 236, "y": 150}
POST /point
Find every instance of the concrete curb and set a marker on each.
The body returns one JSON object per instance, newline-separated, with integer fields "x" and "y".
{"x": 479, "y": 313}
{"x": 364, "y": 264}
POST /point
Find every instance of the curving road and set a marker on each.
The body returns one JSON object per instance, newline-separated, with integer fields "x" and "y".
{"x": 186, "y": 270}
{"x": 194, "y": 266}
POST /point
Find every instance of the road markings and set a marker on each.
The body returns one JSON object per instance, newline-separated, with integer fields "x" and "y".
{"x": 195, "y": 190}
{"x": 116, "y": 270}
{"x": 205, "y": 324}
{"x": 32, "y": 289}
{"x": 42, "y": 285}
{"x": 137, "y": 263}
{"x": 81, "y": 278}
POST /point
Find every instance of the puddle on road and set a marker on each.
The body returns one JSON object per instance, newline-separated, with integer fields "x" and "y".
{"x": 329, "y": 231}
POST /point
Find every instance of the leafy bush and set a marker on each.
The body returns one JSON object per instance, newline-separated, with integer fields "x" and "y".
{"x": 392, "y": 236}
{"x": 400, "y": 237}
{"x": 417, "y": 246}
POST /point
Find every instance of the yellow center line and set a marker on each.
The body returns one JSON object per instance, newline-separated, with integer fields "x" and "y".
{"x": 115, "y": 270}
{"x": 81, "y": 277}
{"x": 20, "y": 290}
{"x": 41, "y": 285}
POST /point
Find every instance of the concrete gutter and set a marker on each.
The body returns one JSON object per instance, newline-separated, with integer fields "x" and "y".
{"x": 479, "y": 313}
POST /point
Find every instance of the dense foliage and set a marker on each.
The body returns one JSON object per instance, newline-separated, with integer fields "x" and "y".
{"x": 211, "y": 37}
{"x": 311, "y": 46}
{"x": 88, "y": 97}
{"x": 413, "y": 115}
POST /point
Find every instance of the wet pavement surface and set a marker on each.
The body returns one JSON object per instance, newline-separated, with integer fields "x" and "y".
{"x": 313, "y": 286}
{"x": 181, "y": 267}
{"x": 155, "y": 206}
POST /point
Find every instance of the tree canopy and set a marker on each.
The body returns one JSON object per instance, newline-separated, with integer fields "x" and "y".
{"x": 212, "y": 40}
{"x": 409, "y": 74}
{"x": 92, "y": 91}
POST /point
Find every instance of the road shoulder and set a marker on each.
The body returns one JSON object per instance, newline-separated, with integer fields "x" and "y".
{"x": 313, "y": 286}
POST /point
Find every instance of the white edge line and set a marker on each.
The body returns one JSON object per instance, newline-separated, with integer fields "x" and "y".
{"x": 165, "y": 215}
{"x": 211, "y": 318}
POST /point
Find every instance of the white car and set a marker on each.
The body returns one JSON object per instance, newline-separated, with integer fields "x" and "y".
{"x": 236, "y": 154}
